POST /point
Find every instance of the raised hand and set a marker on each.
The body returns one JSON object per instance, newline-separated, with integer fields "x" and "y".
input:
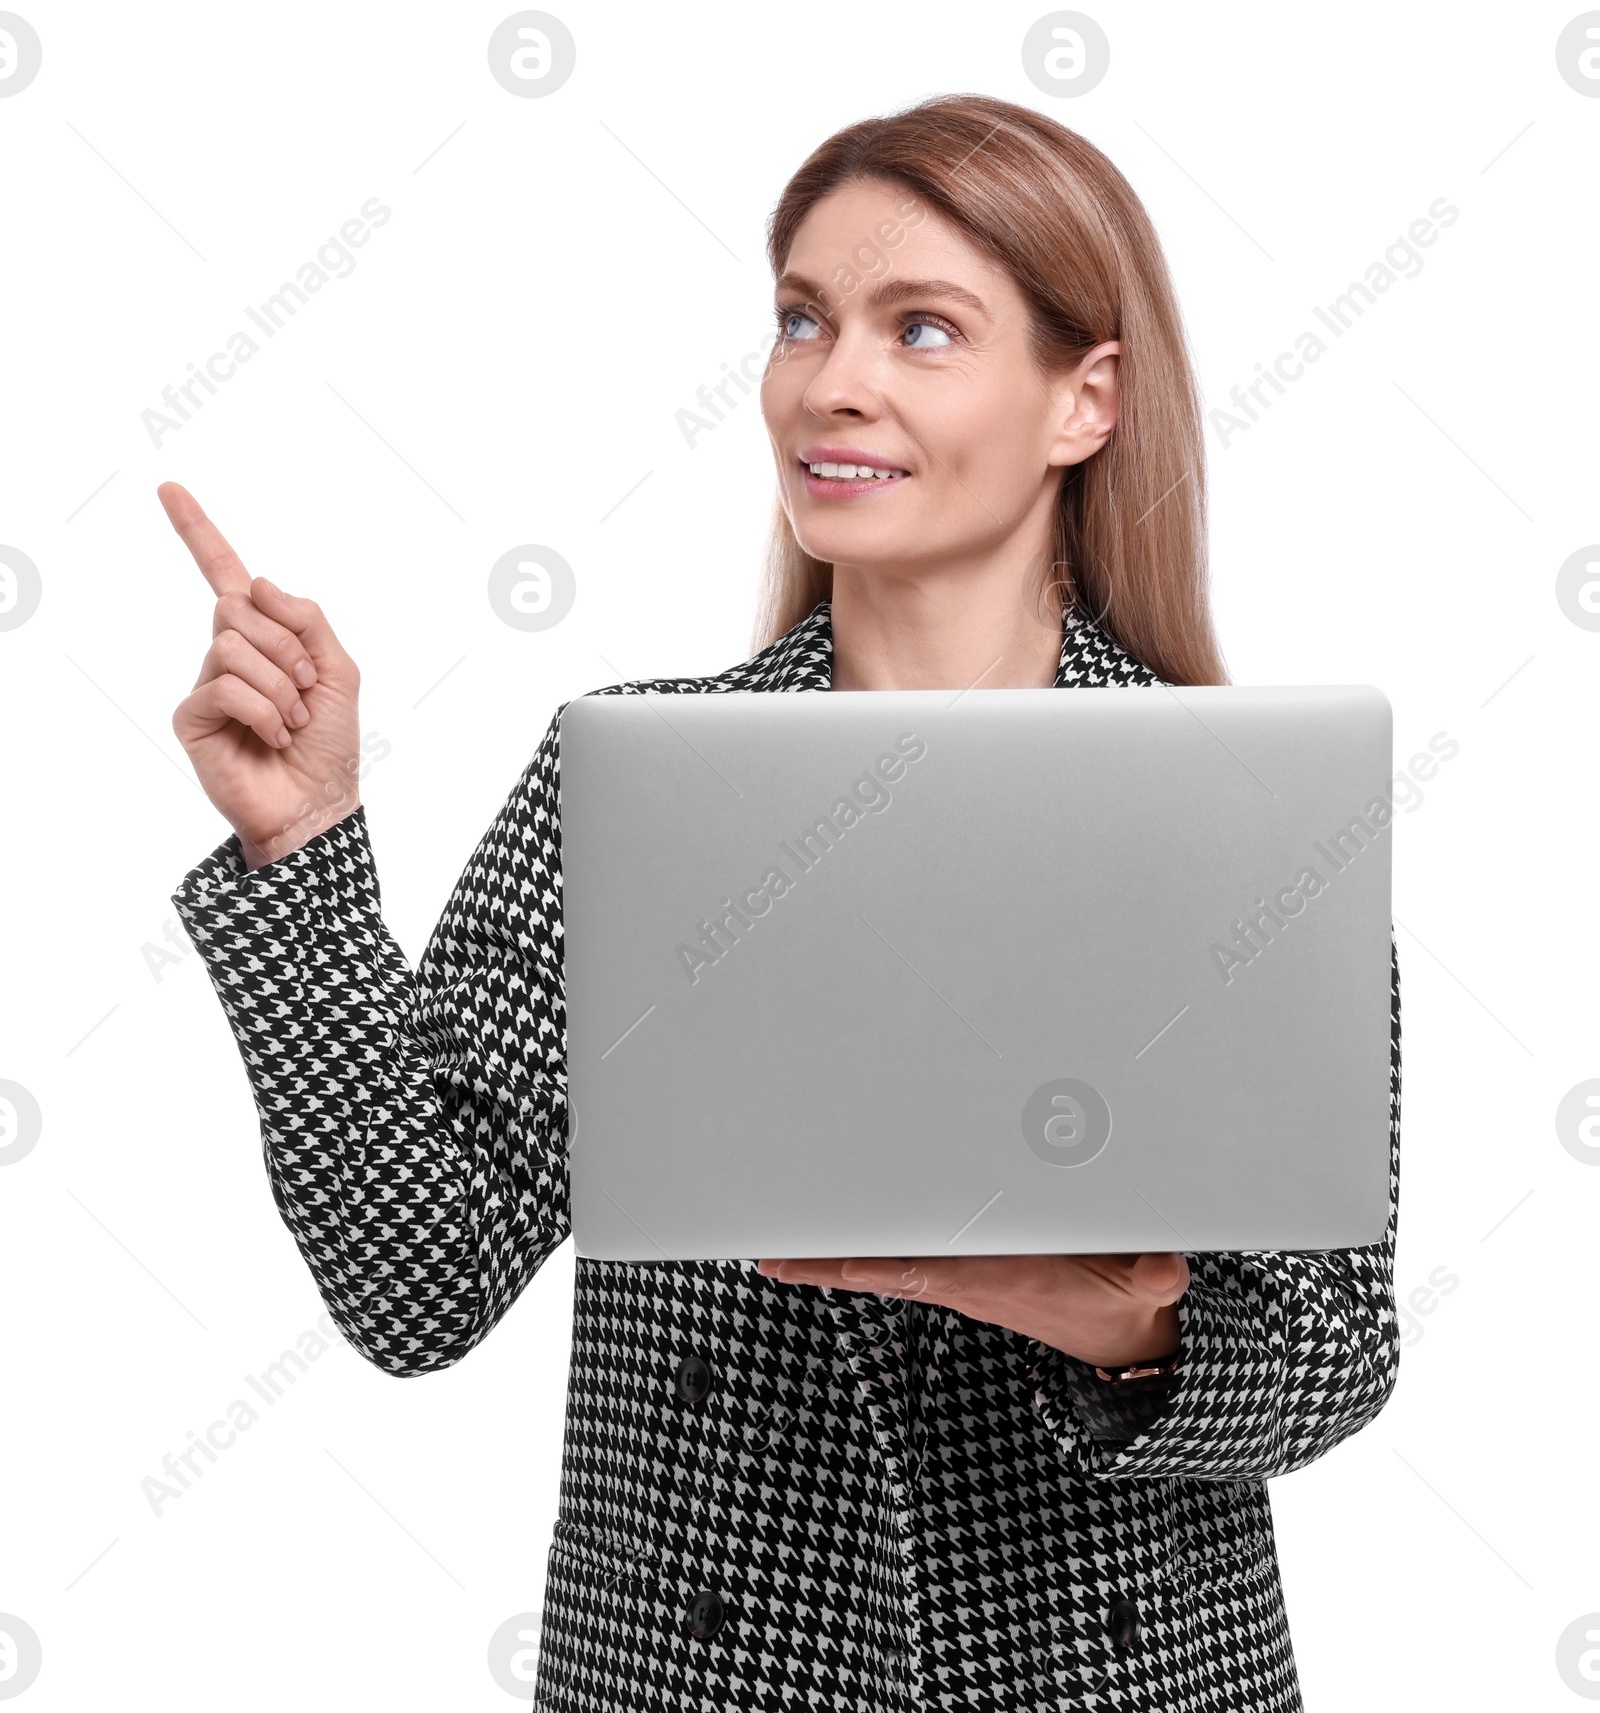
{"x": 271, "y": 724}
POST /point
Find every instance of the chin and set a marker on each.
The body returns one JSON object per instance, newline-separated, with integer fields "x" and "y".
{"x": 857, "y": 547}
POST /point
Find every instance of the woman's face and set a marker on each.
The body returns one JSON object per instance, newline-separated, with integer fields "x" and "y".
{"x": 902, "y": 347}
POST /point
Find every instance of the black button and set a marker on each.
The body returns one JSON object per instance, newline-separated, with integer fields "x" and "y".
{"x": 705, "y": 1615}
{"x": 1122, "y": 1625}
{"x": 693, "y": 1379}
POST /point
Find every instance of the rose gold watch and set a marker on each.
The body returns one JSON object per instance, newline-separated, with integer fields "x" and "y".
{"x": 1141, "y": 1370}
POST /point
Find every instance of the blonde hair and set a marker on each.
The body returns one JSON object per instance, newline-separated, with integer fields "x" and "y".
{"x": 1130, "y": 532}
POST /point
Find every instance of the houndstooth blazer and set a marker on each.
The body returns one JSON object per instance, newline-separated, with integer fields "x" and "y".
{"x": 773, "y": 1497}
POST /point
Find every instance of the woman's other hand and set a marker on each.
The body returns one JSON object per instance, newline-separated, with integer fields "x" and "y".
{"x": 1106, "y": 1309}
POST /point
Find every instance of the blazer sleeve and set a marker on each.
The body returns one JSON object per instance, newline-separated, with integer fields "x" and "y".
{"x": 1283, "y": 1355}
{"x": 413, "y": 1125}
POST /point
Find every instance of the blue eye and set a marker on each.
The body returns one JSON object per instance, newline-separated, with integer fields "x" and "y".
{"x": 789, "y": 320}
{"x": 924, "y": 328}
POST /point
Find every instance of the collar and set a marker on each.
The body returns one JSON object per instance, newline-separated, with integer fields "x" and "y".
{"x": 802, "y": 658}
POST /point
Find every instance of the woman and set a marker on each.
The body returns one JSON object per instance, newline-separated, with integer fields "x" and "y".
{"x": 987, "y": 1482}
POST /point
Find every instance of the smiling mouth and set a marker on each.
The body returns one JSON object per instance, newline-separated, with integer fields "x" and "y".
{"x": 854, "y": 475}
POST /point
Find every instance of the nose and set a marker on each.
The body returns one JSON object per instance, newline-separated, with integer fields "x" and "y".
{"x": 844, "y": 387}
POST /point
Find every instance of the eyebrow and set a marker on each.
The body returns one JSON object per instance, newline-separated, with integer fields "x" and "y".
{"x": 889, "y": 292}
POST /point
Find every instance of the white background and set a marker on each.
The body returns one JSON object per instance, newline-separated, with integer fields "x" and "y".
{"x": 557, "y": 279}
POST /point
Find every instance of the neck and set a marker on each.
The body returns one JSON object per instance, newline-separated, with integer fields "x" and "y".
{"x": 971, "y": 628}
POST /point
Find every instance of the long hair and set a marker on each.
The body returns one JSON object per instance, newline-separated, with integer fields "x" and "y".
{"x": 1130, "y": 531}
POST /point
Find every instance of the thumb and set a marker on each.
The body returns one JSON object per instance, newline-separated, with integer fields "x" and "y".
{"x": 1161, "y": 1276}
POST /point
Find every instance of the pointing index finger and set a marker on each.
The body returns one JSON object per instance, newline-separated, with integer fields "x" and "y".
{"x": 219, "y": 564}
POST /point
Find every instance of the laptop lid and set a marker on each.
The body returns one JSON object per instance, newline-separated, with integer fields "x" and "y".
{"x": 1004, "y": 971}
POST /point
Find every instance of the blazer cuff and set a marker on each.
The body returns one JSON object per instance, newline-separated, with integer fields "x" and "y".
{"x": 1208, "y": 1419}
{"x": 331, "y": 877}
{"x": 1112, "y": 1414}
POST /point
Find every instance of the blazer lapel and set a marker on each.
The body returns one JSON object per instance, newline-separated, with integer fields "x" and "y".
{"x": 1091, "y": 658}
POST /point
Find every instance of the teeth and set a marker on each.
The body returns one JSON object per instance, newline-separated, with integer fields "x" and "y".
{"x": 851, "y": 472}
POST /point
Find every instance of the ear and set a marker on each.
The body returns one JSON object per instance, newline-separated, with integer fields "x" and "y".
{"x": 1085, "y": 405}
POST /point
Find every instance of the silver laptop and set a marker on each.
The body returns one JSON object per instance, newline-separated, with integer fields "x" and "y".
{"x": 996, "y": 972}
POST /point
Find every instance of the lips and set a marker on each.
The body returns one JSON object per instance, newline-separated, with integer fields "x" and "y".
{"x": 838, "y": 471}
{"x": 822, "y": 487}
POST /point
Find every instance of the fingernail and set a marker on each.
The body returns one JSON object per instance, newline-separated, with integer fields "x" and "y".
{"x": 267, "y": 583}
{"x": 299, "y": 714}
{"x": 305, "y": 675}
{"x": 285, "y": 737}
